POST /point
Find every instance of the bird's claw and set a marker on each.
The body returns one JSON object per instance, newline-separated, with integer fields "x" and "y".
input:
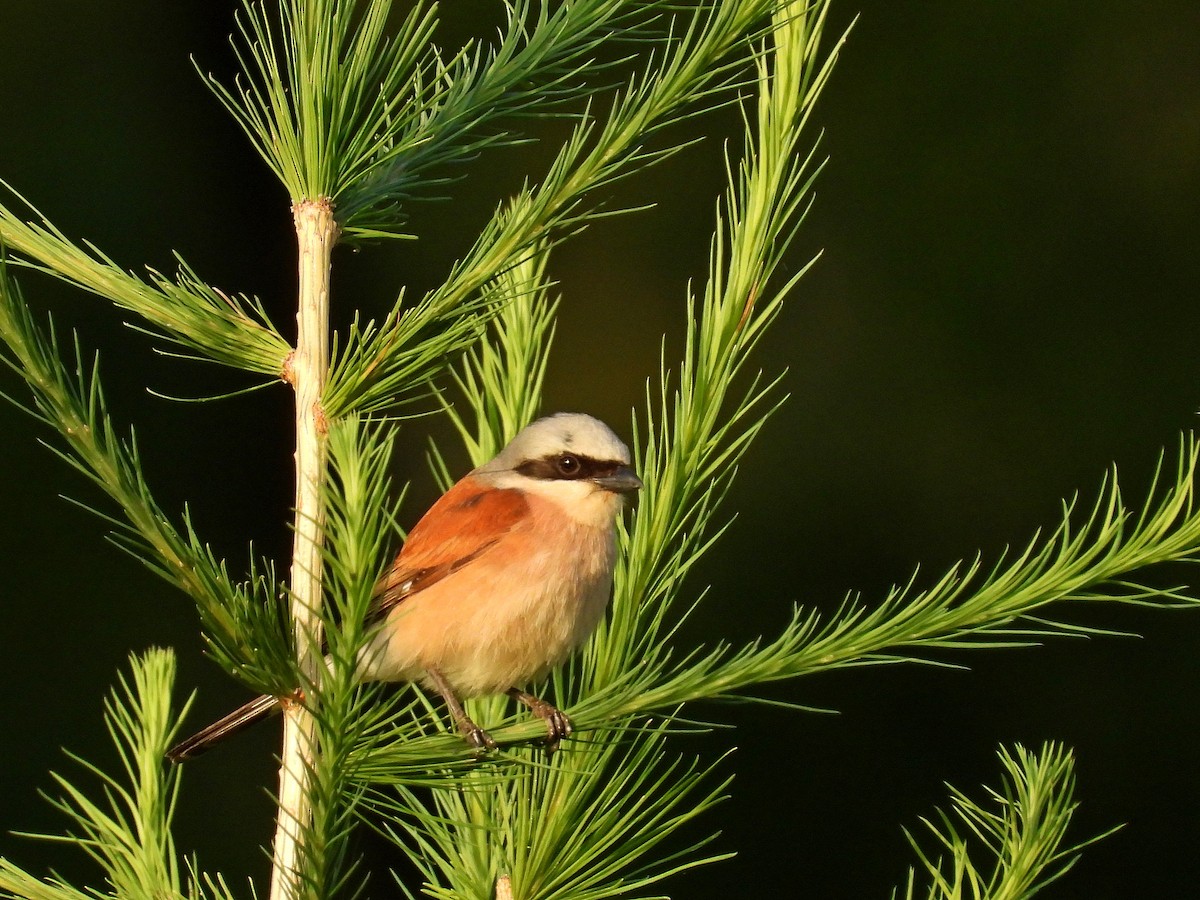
{"x": 558, "y": 725}
{"x": 477, "y": 737}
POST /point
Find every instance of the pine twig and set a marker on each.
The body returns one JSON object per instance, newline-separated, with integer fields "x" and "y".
{"x": 316, "y": 233}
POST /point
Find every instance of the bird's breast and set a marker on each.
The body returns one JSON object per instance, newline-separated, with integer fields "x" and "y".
{"x": 507, "y": 617}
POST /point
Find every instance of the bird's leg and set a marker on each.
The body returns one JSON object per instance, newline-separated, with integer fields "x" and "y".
{"x": 472, "y": 733}
{"x": 558, "y": 726}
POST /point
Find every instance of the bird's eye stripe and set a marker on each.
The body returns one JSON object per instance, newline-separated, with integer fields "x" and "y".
{"x": 549, "y": 468}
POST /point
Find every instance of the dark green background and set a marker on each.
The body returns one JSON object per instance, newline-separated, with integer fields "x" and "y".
{"x": 1007, "y": 302}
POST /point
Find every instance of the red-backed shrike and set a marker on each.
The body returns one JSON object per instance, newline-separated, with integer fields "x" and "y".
{"x": 506, "y": 574}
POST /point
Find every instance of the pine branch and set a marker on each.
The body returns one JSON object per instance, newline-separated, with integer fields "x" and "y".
{"x": 241, "y": 619}
{"x": 1093, "y": 562}
{"x": 689, "y": 459}
{"x": 500, "y": 379}
{"x": 337, "y": 108}
{"x": 587, "y": 826}
{"x": 128, "y": 832}
{"x": 316, "y": 233}
{"x": 379, "y": 365}
{"x": 233, "y": 330}
{"x": 543, "y": 60}
{"x": 1021, "y": 831}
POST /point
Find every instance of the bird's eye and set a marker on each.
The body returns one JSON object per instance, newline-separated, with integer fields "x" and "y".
{"x": 568, "y": 465}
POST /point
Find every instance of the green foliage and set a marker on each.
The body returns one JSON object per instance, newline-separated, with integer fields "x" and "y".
{"x": 341, "y": 109}
{"x": 501, "y": 378}
{"x": 232, "y": 330}
{"x": 588, "y": 825}
{"x": 241, "y": 618}
{"x": 128, "y": 830}
{"x": 1092, "y": 561}
{"x": 350, "y": 102}
{"x": 381, "y": 362}
{"x": 1021, "y": 831}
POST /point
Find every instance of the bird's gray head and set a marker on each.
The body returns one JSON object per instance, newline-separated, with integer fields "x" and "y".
{"x": 561, "y": 450}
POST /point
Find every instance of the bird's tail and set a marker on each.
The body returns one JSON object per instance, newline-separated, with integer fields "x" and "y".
{"x": 244, "y": 716}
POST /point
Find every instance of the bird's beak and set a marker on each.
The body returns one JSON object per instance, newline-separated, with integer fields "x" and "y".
{"x": 622, "y": 481}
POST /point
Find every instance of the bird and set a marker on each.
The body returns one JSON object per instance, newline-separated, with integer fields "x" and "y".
{"x": 503, "y": 577}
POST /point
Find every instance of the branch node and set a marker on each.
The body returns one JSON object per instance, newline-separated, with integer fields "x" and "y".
{"x": 287, "y": 373}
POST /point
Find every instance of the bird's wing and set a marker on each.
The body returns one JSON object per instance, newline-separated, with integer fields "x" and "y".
{"x": 465, "y": 522}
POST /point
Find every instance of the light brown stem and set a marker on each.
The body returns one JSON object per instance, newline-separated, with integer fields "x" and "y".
{"x": 316, "y": 233}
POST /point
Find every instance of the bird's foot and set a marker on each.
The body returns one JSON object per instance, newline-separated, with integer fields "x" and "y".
{"x": 558, "y": 725}
{"x": 472, "y": 733}
{"x": 475, "y": 736}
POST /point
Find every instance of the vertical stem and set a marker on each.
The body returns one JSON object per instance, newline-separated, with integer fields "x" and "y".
{"x": 316, "y": 232}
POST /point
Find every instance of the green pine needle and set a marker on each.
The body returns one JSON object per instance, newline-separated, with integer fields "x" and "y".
{"x": 340, "y": 108}
{"x": 1020, "y": 831}
{"x": 597, "y": 152}
{"x": 128, "y": 831}
{"x": 232, "y": 330}
{"x": 242, "y": 619}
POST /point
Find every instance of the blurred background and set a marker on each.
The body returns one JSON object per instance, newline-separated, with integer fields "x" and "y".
{"x": 1006, "y": 303}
